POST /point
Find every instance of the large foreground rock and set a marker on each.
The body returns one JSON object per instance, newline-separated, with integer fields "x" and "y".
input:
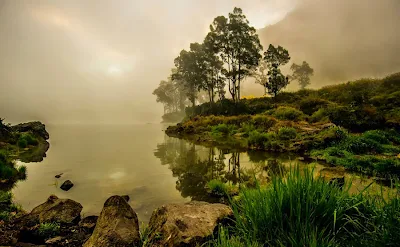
{"x": 117, "y": 225}
{"x": 64, "y": 211}
{"x": 187, "y": 224}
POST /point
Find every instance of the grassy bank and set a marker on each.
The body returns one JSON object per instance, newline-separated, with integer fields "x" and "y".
{"x": 303, "y": 210}
{"x": 355, "y": 125}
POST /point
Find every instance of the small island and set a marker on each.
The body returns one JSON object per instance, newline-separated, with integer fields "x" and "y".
{"x": 26, "y": 142}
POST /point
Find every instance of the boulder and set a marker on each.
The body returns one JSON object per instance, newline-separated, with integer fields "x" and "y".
{"x": 36, "y": 128}
{"x": 89, "y": 222}
{"x": 117, "y": 225}
{"x": 188, "y": 224}
{"x": 67, "y": 185}
{"x": 57, "y": 210}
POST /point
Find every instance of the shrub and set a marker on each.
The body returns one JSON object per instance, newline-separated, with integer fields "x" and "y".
{"x": 262, "y": 121}
{"x": 311, "y": 105}
{"x": 259, "y": 139}
{"x": 22, "y": 143}
{"x": 47, "y": 230}
{"x": 287, "y": 133}
{"x": 288, "y": 113}
{"x": 321, "y": 115}
{"x": 225, "y": 129}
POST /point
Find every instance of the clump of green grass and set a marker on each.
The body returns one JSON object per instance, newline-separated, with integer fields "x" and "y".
{"x": 47, "y": 230}
{"x": 301, "y": 210}
{"x": 223, "y": 130}
{"x": 219, "y": 188}
{"x": 372, "y": 153}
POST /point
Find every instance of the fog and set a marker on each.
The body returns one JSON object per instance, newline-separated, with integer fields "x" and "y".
{"x": 342, "y": 40}
{"x": 98, "y": 61}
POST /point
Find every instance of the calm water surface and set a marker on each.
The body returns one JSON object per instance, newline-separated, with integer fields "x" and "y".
{"x": 135, "y": 160}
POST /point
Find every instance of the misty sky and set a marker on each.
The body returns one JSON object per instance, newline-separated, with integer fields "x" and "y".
{"x": 84, "y": 61}
{"x": 99, "y": 61}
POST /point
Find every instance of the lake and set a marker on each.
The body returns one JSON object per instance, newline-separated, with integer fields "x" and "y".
{"x": 136, "y": 160}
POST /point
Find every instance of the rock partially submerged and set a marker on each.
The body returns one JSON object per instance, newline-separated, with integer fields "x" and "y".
{"x": 67, "y": 185}
{"x": 117, "y": 225}
{"x": 58, "y": 210}
{"x": 187, "y": 224}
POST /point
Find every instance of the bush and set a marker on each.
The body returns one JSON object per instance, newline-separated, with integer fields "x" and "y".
{"x": 262, "y": 121}
{"x": 26, "y": 139}
{"x": 312, "y": 104}
{"x": 287, "y": 133}
{"x": 22, "y": 143}
{"x": 288, "y": 113}
{"x": 259, "y": 139}
{"x": 224, "y": 129}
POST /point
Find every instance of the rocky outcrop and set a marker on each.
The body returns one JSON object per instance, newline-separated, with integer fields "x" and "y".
{"x": 57, "y": 210}
{"x": 189, "y": 224}
{"x": 117, "y": 225}
{"x": 37, "y": 128}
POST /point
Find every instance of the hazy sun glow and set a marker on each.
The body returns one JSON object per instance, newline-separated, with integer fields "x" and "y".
{"x": 114, "y": 69}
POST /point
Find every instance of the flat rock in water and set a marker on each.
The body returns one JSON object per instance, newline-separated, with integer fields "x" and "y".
{"x": 58, "y": 175}
{"x": 188, "y": 224}
{"x": 117, "y": 225}
{"x": 67, "y": 185}
{"x": 57, "y": 210}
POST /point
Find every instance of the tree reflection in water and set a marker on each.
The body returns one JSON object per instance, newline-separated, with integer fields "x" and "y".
{"x": 194, "y": 166}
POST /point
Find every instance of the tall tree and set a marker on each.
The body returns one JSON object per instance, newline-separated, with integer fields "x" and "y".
{"x": 190, "y": 67}
{"x": 215, "y": 80}
{"x": 165, "y": 95}
{"x": 261, "y": 76}
{"x": 302, "y": 74}
{"x": 275, "y": 57}
{"x": 276, "y": 81}
{"x": 238, "y": 46}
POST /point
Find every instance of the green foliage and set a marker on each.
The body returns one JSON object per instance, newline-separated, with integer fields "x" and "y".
{"x": 5, "y": 197}
{"x": 5, "y": 216}
{"x": 288, "y": 113}
{"x": 262, "y": 121}
{"x": 224, "y": 129}
{"x": 260, "y": 139}
{"x": 301, "y": 210}
{"x": 311, "y": 105}
{"x": 287, "y": 133}
{"x": 238, "y": 46}
{"x": 22, "y": 143}
{"x": 7, "y": 168}
{"x": 48, "y": 230}
{"x": 219, "y": 188}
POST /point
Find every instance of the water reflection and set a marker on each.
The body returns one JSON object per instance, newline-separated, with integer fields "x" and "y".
{"x": 194, "y": 166}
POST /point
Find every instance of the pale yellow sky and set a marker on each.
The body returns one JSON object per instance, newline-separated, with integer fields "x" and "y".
{"x": 84, "y": 61}
{"x": 99, "y": 60}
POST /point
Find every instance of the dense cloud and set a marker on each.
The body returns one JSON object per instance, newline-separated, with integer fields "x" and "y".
{"x": 99, "y": 60}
